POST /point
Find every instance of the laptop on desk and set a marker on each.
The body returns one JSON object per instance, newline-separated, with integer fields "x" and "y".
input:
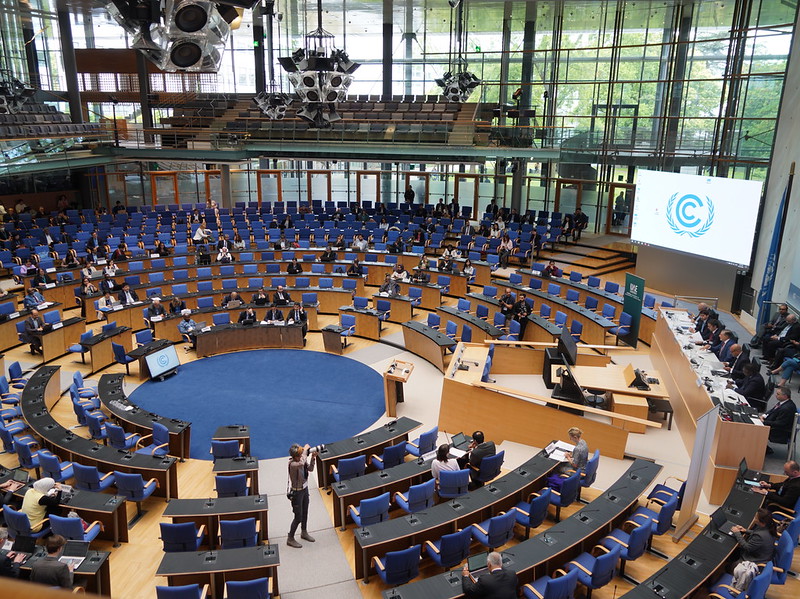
{"x": 233, "y": 304}
{"x": 18, "y": 480}
{"x": 24, "y": 548}
{"x": 721, "y": 523}
{"x": 458, "y": 441}
{"x": 747, "y": 476}
{"x": 476, "y": 564}
{"x": 74, "y": 553}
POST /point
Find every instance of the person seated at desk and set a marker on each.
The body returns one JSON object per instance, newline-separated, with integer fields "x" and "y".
{"x": 756, "y": 544}
{"x": 202, "y": 235}
{"x": 224, "y": 256}
{"x": 41, "y": 278}
{"x": 127, "y": 295}
{"x": 551, "y": 270}
{"x": 788, "y": 336}
{"x": 203, "y": 255}
{"x": 33, "y": 299}
{"x": 446, "y": 264}
{"x": 176, "y": 305}
{"x": 507, "y": 301}
{"x": 71, "y": 259}
{"x": 390, "y": 286}
{"x": 521, "y": 311}
{"x": 86, "y": 290}
{"x": 360, "y": 244}
{"x": 328, "y": 255}
{"x": 399, "y": 273}
{"x": 713, "y": 329}
{"x": 110, "y": 269}
{"x": 739, "y": 357}
{"x": 105, "y": 304}
{"x": 396, "y": 247}
{"x": 224, "y": 242}
{"x": 451, "y": 252}
{"x": 34, "y": 324}
{"x": 109, "y": 284}
{"x": 703, "y": 309}
{"x": 786, "y": 493}
{"x": 188, "y": 329}
{"x": 498, "y": 583}
{"x": 120, "y": 254}
{"x": 248, "y": 316}
{"x": 274, "y": 315}
{"x": 298, "y": 315}
{"x": 48, "y": 570}
{"x": 233, "y": 296}
{"x": 751, "y": 386}
{"x": 355, "y": 269}
{"x": 42, "y": 499}
{"x": 281, "y": 297}
{"x": 340, "y": 242}
{"x": 155, "y": 310}
{"x": 780, "y": 419}
{"x": 477, "y": 450}
{"x": 723, "y": 350}
{"x": 294, "y": 267}
{"x": 469, "y": 270}
{"x": 443, "y": 461}
{"x": 9, "y": 567}
{"x": 260, "y": 298}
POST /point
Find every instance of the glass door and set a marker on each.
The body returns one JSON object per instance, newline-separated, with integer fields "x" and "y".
{"x": 620, "y": 206}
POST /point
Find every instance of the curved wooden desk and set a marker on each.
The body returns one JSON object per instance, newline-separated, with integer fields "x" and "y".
{"x": 426, "y": 342}
{"x": 236, "y": 337}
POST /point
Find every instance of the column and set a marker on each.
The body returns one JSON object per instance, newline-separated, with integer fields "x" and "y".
{"x": 387, "y": 48}
{"x": 226, "y": 201}
{"x": 68, "y": 56}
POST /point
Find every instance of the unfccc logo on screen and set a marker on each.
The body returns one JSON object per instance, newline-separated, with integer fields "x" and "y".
{"x": 690, "y": 215}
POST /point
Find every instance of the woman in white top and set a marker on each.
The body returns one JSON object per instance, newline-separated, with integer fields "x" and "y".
{"x": 110, "y": 269}
{"x": 443, "y": 462}
{"x": 238, "y": 242}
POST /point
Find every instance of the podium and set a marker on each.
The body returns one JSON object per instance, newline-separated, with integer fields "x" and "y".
{"x": 332, "y": 339}
{"x": 393, "y": 379}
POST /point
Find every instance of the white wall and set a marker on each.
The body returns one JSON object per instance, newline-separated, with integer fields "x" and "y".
{"x": 787, "y": 150}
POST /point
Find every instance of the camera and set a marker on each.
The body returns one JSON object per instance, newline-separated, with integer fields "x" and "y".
{"x": 316, "y": 449}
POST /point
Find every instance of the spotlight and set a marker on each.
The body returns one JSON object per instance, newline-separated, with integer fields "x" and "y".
{"x": 458, "y": 88}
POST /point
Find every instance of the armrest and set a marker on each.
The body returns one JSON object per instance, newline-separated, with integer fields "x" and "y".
{"x": 399, "y": 494}
{"x": 616, "y": 540}
{"x": 106, "y": 475}
{"x": 602, "y": 549}
{"x": 65, "y": 467}
{"x": 93, "y": 524}
{"x": 412, "y": 443}
{"x": 131, "y": 436}
{"x": 560, "y": 572}
{"x": 431, "y": 547}
{"x": 523, "y": 512}
{"x": 201, "y": 531}
{"x": 534, "y": 591}
{"x": 355, "y": 509}
{"x": 480, "y": 528}
{"x": 376, "y": 457}
{"x": 204, "y": 592}
{"x": 141, "y": 442}
{"x": 554, "y": 492}
{"x": 334, "y": 469}
{"x": 656, "y": 500}
{"x": 577, "y": 565}
{"x": 378, "y": 564}
{"x": 152, "y": 481}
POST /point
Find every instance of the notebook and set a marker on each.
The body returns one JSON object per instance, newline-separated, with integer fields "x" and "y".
{"x": 74, "y": 553}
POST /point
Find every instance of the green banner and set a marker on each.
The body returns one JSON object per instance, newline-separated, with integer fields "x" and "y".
{"x": 632, "y": 305}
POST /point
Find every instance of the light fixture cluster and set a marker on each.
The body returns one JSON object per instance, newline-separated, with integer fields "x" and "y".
{"x": 177, "y": 35}
{"x": 13, "y": 93}
{"x": 273, "y": 104}
{"x": 320, "y": 74}
{"x": 458, "y": 87}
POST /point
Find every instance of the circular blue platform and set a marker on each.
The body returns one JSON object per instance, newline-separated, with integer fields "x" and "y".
{"x": 285, "y": 395}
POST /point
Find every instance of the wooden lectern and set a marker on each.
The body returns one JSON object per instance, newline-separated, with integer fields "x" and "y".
{"x": 393, "y": 379}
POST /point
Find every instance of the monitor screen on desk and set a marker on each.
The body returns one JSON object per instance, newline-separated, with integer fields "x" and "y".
{"x": 162, "y": 361}
{"x": 696, "y": 215}
{"x": 567, "y": 346}
{"x": 568, "y": 389}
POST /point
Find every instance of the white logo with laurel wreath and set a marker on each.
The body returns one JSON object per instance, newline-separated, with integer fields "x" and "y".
{"x": 684, "y": 214}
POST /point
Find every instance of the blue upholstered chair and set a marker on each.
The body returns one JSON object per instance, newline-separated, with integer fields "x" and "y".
{"x": 20, "y": 526}
{"x": 238, "y": 533}
{"x": 489, "y": 468}
{"x": 232, "y": 485}
{"x": 348, "y": 468}
{"x": 595, "y": 572}
{"x": 182, "y": 536}
{"x": 632, "y": 544}
{"x": 532, "y": 513}
{"x": 398, "y": 567}
{"x": 425, "y": 443}
{"x": 391, "y": 456}
{"x": 453, "y": 484}
{"x": 567, "y": 495}
{"x": 72, "y": 528}
{"x": 120, "y": 357}
{"x": 450, "y": 550}
{"x": 119, "y": 438}
{"x": 556, "y": 587}
{"x": 757, "y": 589}
{"x": 225, "y": 449}
{"x": 418, "y": 497}
{"x": 248, "y": 589}
{"x": 89, "y": 478}
{"x": 133, "y": 488}
{"x": 54, "y": 468}
{"x": 370, "y": 511}
{"x": 496, "y": 531}
{"x": 158, "y": 441}
{"x": 186, "y": 591}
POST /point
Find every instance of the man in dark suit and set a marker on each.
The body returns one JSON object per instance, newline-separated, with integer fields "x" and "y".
{"x": 109, "y": 284}
{"x": 775, "y": 324}
{"x": 780, "y": 419}
{"x": 782, "y": 338}
{"x": 714, "y": 328}
{"x": 478, "y": 449}
{"x": 751, "y": 386}
{"x": 248, "y": 316}
{"x": 154, "y": 311}
{"x": 273, "y": 314}
{"x": 739, "y": 357}
{"x": 260, "y": 298}
{"x": 127, "y": 295}
{"x": 48, "y": 570}
{"x": 224, "y": 242}
{"x": 498, "y": 583}
{"x": 723, "y": 349}
{"x": 298, "y": 316}
{"x": 784, "y": 494}
{"x": 33, "y": 325}
{"x": 233, "y": 296}
{"x": 281, "y": 297}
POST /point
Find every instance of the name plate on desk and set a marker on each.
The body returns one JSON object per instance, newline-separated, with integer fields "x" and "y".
{"x": 49, "y": 285}
{"x": 13, "y": 315}
{"x": 115, "y": 308}
{"x": 154, "y": 255}
{"x": 101, "y": 262}
{"x": 156, "y": 318}
{"x": 58, "y": 325}
{"x": 50, "y": 270}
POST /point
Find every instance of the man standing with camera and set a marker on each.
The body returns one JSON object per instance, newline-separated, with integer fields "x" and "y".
{"x": 301, "y": 462}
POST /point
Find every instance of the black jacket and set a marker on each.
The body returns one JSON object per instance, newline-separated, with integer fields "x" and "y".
{"x": 786, "y": 493}
{"x": 499, "y": 584}
{"x": 780, "y": 420}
